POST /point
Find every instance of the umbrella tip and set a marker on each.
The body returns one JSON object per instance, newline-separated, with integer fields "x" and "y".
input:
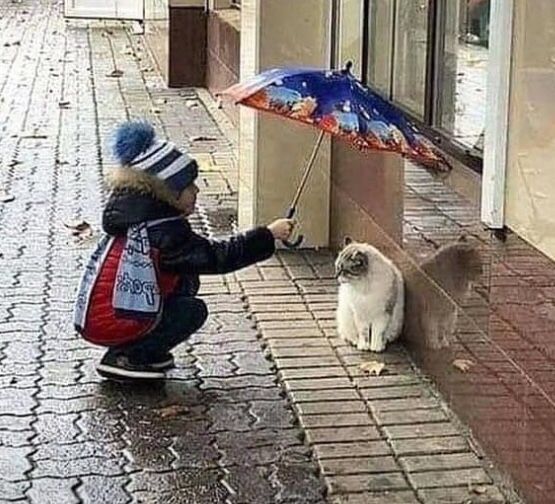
{"x": 348, "y": 67}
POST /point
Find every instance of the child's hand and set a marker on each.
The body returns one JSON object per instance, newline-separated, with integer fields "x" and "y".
{"x": 282, "y": 228}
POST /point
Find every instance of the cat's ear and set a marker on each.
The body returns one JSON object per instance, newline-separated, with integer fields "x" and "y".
{"x": 347, "y": 241}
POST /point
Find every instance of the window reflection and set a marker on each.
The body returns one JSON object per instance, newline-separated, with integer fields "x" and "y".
{"x": 411, "y": 48}
{"x": 380, "y": 45}
{"x": 463, "y": 71}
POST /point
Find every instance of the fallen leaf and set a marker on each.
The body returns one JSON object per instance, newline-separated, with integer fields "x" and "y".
{"x": 479, "y": 490}
{"x": 172, "y": 411}
{"x": 81, "y": 229}
{"x": 5, "y": 197}
{"x": 115, "y": 73}
{"x": 202, "y": 138}
{"x": 372, "y": 367}
{"x": 463, "y": 364}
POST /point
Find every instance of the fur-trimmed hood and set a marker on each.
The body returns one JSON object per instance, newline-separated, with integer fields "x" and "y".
{"x": 136, "y": 197}
{"x": 127, "y": 179}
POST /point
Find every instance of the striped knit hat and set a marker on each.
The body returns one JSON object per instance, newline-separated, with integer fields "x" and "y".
{"x": 136, "y": 146}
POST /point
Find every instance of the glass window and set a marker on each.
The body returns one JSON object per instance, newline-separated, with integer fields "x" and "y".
{"x": 411, "y": 49}
{"x": 380, "y": 45}
{"x": 462, "y": 79}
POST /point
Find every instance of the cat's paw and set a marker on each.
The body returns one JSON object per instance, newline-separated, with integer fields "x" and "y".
{"x": 364, "y": 346}
{"x": 377, "y": 346}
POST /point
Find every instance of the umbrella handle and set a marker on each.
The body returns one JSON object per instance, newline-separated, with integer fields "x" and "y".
{"x": 297, "y": 241}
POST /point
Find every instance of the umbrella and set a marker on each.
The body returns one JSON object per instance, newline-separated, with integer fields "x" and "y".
{"x": 337, "y": 103}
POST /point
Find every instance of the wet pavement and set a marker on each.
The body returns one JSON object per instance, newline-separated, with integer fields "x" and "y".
{"x": 219, "y": 430}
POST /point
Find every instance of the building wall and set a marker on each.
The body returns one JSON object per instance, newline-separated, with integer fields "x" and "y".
{"x": 223, "y": 54}
{"x": 530, "y": 193}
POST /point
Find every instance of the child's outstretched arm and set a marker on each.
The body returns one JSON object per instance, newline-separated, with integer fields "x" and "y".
{"x": 198, "y": 255}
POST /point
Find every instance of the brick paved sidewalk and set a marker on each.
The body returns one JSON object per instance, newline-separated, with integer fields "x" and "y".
{"x": 221, "y": 429}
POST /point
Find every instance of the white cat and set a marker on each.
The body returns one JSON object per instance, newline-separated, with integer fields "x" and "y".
{"x": 371, "y": 297}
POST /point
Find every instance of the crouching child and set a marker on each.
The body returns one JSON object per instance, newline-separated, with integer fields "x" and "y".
{"x": 138, "y": 295}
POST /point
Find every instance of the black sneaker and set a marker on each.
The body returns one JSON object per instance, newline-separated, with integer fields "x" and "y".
{"x": 118, "y": 367}
{"x": 164, "y": 363}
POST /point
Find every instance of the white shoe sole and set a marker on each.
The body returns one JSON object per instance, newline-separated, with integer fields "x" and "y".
{"x": 117, "y": 372}
{"x": 163, "y": 365}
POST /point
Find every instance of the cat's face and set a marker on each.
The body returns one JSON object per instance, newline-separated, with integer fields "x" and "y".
{"x": 352, "y": 263}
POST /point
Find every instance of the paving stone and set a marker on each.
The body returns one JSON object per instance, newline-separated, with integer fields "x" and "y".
{"x": 235, "y": 417}
{"x": 318, "y": 384}
{"x": 335, "y": 420}
{"x": 489, "y": 495}
{"x": 360, "y": 465}
{"x": 395, "y": 392}
{"x": 305, "y": 362}
{"x": 261, "y": 455}
{"x": 53, "y": 491}
{"x": 299, "y": 373}
{"x": 324, "y": 407}
{"x": 15, "y": 401}
{"x": 302, "y": 396}
{"x": 409, "y": 417}
{"x": 366, "y": 483}
{"x": 250, "y": 484}
{"x": 304, "y": 332}
{"x": 387, "y": 497}
{"x": 282, "y": 353}
{"x": 430, "y": 445}
{"x": 101, "y": 490}
{"x": 446, "y": 478}
{"x": 14, "y": 491}
{"x": 99, "y": 466}
{"x": 14, "y": 463}
{"x": 235, "y": 382}
{"x": 440, "y": 462}
{"x": 15, "y": 439}
{"x": 192, "y": 450}
{"x": 335, "y": 435}
{"x": 384, "y": 405}
{"x": 252, "y": 363}
{"x": 296, "y": 482}
{"x": 271, "y": 414}
{"x": 281, "y": 309}
{"x": 421, "y": 430}
{"x": 385, "y": 381}
{"x": 264, "y": 316}
{"x": 352, "y": 449}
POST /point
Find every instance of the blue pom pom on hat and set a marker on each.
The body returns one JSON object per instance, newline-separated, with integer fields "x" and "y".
{"x": 136, "y": 146}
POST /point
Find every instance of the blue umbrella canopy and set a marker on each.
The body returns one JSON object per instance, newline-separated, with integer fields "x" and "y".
{"x": 337, "y": 103}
